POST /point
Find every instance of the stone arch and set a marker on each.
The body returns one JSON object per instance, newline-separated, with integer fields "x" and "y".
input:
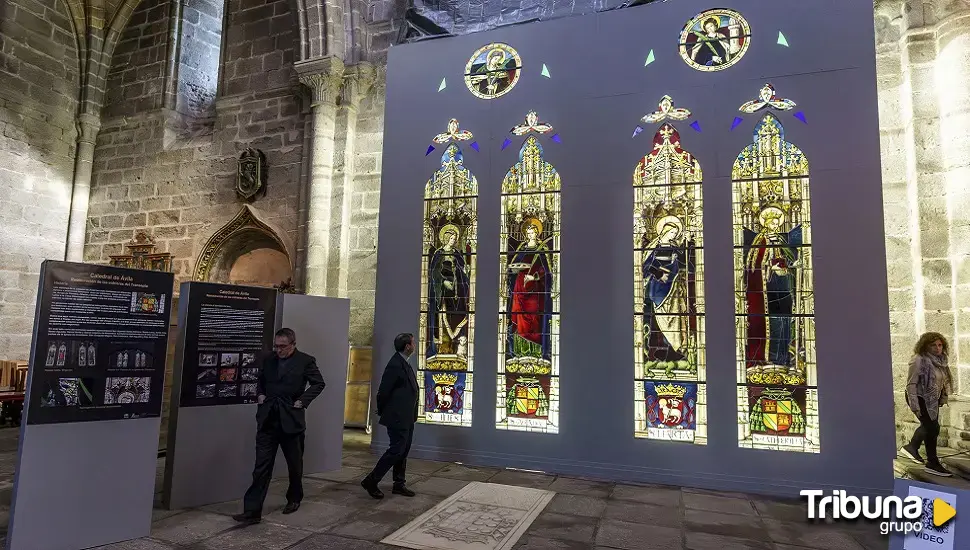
{"x": 316, "y": 29}
{"x": 245, "y": 238}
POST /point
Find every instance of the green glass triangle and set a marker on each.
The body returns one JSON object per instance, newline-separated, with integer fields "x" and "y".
{"x": 545, "y": 71}
{"x": 782, "y": 40}
{"x": 650, "y": 58}
{"x": 442, "y": 86}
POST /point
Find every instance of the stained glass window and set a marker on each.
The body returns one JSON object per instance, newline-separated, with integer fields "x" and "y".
{"x": 528, "y": 361}
{"x": 668, "y": 274}
{"x": 715, "y": 40}
{"x": 493, "y": 70}
{"x": 447, "y": 327}
{"x": 777, "y": 391}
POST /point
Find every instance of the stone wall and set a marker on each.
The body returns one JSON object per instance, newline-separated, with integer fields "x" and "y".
{"x": 198, "y": 59}
{"x": 179, "y": 187}
{"x": 182, "y": 194}
{"x": 925, "y": 152}
{"x": 39, "y": 80}
{"x": 136, "y": 78}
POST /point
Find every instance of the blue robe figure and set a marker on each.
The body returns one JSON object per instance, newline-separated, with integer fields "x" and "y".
{"x": 667, "y": 304}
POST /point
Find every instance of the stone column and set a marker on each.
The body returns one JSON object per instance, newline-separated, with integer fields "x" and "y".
{"x": 88, "y": 126}
{"x": 953, "y": 92}
{"x": 358, "y": 81}
{"x": 324, "y": 78}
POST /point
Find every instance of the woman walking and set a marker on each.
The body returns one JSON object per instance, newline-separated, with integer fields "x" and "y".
{"x": 927, "y": 388}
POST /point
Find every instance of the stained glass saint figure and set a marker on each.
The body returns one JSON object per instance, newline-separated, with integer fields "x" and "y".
{"x": 528, "y": 332}
{"x": 666, "y": 307}
{"x": 714, "y": 40}
{"x": 770, "y": 266}
{"x": 530, "y": 296}
{"x": 448, "y": 294}
{"x": 447, "y": 319}
{"x": 493, "y": 70}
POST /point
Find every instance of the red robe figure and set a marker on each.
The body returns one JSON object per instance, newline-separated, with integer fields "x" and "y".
{"x": 530, "y": 296}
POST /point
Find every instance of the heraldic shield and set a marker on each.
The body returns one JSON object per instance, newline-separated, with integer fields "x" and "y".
{"x": 251, "y": 173}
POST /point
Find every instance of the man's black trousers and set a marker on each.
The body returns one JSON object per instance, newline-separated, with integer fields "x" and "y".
{"x": 267, "y": 441}
{"x": 396, "y": 455}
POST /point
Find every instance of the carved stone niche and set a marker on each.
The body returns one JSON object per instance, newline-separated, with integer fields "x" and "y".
{"x": 245, "y": 251}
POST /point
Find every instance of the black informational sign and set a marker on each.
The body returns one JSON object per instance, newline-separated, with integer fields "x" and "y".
{"x": 228, "y": 331}
{"x": 100, "y": 343}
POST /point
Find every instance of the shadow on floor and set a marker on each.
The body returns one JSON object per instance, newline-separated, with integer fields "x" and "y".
{"x": 337, "y": 514}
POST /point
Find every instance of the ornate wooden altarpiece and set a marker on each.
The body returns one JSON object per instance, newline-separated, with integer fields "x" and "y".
{"x": 141, "y": 255}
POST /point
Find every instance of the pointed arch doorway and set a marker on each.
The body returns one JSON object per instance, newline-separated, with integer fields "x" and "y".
{"x": 245, "y": 251}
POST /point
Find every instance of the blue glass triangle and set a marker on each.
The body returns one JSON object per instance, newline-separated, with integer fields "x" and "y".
{"x": 443, "y": 85}
{"x": 474, "y": 145}
{"x": 737, "y": 120}
{"x": 696, "y": 125}
{"x": 556, "y": 138}
{"x": 636, "y": 131}
{"x": 506, "y": 143}
{"x": 801, "y": 116}
{"x": 430, "y": 148}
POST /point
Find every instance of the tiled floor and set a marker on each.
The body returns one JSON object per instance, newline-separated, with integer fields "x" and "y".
{"x": 338, "y": 514}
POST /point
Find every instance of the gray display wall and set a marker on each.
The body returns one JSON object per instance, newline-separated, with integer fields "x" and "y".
{"x": 597, "y": 91}
{"x": 86, "y": 462}
{"x": 212, "y": 448}
{"x": 322, "y": 325}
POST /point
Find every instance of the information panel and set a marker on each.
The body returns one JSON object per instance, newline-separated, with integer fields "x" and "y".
{"x": 100, "y": 343}
{"x": 227, "y": 331}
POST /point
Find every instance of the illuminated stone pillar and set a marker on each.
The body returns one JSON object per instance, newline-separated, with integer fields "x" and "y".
{"x": 358, "y": 81}
{"x": 88, "y": 126}
{"x": 324, "y": 78}
{"x": 953, "y": 92}
{"x": 902, "y": 254}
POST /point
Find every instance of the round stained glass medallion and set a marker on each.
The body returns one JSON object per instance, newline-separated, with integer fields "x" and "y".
{"x": 715, "y": 40}
{"x": 493, "y": 70}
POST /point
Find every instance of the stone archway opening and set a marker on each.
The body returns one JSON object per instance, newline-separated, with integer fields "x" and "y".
{"x": 246, "y": 251}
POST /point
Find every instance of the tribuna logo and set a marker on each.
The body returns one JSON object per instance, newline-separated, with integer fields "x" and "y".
{"x": 894, "y": 514}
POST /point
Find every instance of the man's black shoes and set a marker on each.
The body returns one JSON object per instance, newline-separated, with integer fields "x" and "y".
{"x": 402, "y": 490}
{"x": 291, "y": 507}
{"x": 371, "y": 488}
{"x": 247, "y": 518}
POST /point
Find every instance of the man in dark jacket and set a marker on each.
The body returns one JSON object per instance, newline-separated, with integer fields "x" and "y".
{"x": 288, "y": 381}
{"x": 397, "y": 405}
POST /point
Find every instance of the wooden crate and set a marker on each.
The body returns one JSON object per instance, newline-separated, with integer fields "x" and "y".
{"x": 357, "y": 398}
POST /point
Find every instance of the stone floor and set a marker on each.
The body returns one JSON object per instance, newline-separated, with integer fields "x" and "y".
{"x": 337, "y": 514}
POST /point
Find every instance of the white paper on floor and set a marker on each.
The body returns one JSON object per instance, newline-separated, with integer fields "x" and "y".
{"x": 481, "y": 516}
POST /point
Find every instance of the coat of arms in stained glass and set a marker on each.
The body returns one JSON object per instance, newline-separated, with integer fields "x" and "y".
{"x": 493, "y": 70}
{"x": 774, "y": 294}
{"x": 444, "y": 393}
{"x": 446, "y": 336}
{"x": 671, "y": 410}
{"x": 668, "y": 283}
{"x": 528, "y": 363}
{"x": 715, "y": 40}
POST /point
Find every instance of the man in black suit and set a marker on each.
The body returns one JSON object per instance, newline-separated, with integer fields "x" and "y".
{"x": 397, "y": 405}
{"x": 288, "y": 381}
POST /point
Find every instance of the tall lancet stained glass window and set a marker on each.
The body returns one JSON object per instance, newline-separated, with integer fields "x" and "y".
{"x": 777, "y": 385}
{"x": 447, "y": 326}
{"x": 668, "y": 274}
{"x": 528, "y": 361}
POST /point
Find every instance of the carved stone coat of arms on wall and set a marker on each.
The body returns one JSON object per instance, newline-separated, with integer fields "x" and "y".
{"x": 251, "y": 174}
